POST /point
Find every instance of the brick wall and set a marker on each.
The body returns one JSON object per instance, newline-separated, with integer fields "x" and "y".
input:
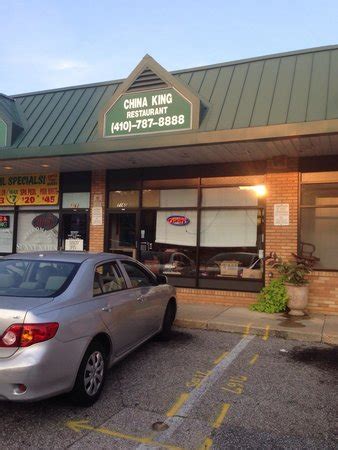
{"x": 282, "y": 187}
{"x": 189, "y": 295}
{"x": 98, "y": 189}
{"x": 323, "y": 292}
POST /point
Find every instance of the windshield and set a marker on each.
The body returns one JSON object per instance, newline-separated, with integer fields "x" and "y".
{"x": 24, "y": 278}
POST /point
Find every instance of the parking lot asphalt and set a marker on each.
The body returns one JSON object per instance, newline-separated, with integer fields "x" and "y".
{"x": 201, "y": 390}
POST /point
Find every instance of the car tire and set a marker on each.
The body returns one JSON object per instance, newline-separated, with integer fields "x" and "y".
{"x": 168, "y": 320}
{"x": 91, "y": 376}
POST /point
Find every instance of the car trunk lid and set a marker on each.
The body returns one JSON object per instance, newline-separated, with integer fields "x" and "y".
{"x": 13, "y": 310}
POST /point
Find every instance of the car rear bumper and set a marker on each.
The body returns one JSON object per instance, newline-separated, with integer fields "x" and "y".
{"x": 46, "y": 369}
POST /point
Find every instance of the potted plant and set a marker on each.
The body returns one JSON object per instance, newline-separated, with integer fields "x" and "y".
{"x": 297, "y": 286}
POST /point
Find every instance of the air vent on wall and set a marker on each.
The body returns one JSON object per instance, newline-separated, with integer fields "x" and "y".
{"x": 147, "y": 80}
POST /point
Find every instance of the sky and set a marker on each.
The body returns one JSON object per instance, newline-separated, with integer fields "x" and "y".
{"x": 47, "y": 44}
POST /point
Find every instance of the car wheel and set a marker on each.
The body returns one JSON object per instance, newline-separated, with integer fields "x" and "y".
{"x": 168, "y": 320}
{"x": 91, "y": 376}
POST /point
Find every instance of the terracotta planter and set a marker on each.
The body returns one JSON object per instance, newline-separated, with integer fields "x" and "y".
{"x": 298, "y": 298}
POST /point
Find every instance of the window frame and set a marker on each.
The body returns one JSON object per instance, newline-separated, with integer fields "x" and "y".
{"x": 61, "y": 289}
{"x": 142, "y": 268}
{"x": 240, "y": 285}
{"x": 303, "y": 207}
{"x": 115, "y": 265}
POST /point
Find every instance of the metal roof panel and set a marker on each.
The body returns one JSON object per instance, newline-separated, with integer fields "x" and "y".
{"x": 217, "y": 98}
{"x": 260, "y": 114}
{"x": 84, "y": 116}
{"x": 300, "y": 89}
{"x": 77, "y": 110}
{"x": 92, "y": 120}
{"x": 317, "y": 102}
{"x": 232, "y": 99}
{"x": 276, "y": 89}
{"x": 282, "y": 94}
{"x": 249, "y": 94}
{"x": 332, "y": 100}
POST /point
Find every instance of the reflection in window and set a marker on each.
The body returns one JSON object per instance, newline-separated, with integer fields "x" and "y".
{"x": 319, "y": 235}
{"x": 230, "y": 241}
{"x": 319, "y": 224}
{"x": 320, "y": 194}
{"x": 168, "y": 242}
{"x": 35, "y": 278}
{"x": 138, "y": 277}
{"x": 107, "y": 279}
{"x": 122, "y": 233}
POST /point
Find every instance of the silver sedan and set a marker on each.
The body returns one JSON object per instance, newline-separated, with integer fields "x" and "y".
{"x": 65, "y": 318}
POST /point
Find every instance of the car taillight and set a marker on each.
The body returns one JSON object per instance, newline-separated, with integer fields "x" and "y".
{"x": 28, "y": 334}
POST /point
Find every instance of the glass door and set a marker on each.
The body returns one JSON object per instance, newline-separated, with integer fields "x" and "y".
{"x": 122, "y": 236}
{"x": 74, "y": 234}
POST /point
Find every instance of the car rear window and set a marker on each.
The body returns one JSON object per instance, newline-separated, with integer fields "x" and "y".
{"x": 25, "y": 278}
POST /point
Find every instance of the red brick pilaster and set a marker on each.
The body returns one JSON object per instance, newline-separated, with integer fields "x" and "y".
{"x": 97, "y": 200}
{"x": 282, "y": 187}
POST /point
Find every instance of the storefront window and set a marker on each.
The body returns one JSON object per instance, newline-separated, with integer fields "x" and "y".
{"x": 231, "y": 236}
{"x": 123, "y": 199}
{"x": 167, "y": 198}
{"x": 213, "y": 240}
{"x": 230, "y": 241}
{"x": 37, "y": 231}
{"x": 229, "y": 196}
{"x": 168, "y": 242}
{"x": 75, "y": 200}
{"x": 319, "y": 224}
{"x": 6, "y": 231}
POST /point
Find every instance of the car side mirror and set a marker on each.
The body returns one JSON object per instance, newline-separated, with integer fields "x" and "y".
{"x": 162, "y": 279}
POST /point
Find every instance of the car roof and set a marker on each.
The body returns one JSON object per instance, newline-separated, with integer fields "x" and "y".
{"x": 76, "y": 257}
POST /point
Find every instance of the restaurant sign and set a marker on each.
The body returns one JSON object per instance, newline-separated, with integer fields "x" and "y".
{"x": 32, "y": 190}
{"x": 3, "y": 133}
{"x": 145, "y": 112}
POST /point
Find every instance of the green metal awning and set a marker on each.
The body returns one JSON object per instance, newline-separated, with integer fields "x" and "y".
{"x": 289, "y": 95}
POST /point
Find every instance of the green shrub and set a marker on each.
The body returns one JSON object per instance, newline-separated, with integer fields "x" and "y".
{"x": 272, "y": 299}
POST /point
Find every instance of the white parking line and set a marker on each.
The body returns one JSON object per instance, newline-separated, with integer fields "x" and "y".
{"x": 196, "y": 395}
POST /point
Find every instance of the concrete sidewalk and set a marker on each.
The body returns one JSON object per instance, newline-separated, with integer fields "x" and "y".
{"x": 312, "y": 328}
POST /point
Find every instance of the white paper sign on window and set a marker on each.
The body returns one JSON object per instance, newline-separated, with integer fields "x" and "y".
{"x": 178, "y": 197}
{"x": 167, "y": 233}
{"x": 37, "y": 231}
{"x": 74, "y": 245}
{"x": 281, "y": 214}
{"x": 229, "y": 228}
{"x": 97, "y": 215}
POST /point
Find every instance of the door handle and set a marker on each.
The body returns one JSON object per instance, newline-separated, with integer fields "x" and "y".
{"x": 106, "y": 309}
{"x": 140, "y": 299}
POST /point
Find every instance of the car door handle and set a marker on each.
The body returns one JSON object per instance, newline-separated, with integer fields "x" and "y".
{"x": 106, "y": 309}
{"x": 140, "y": 299}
